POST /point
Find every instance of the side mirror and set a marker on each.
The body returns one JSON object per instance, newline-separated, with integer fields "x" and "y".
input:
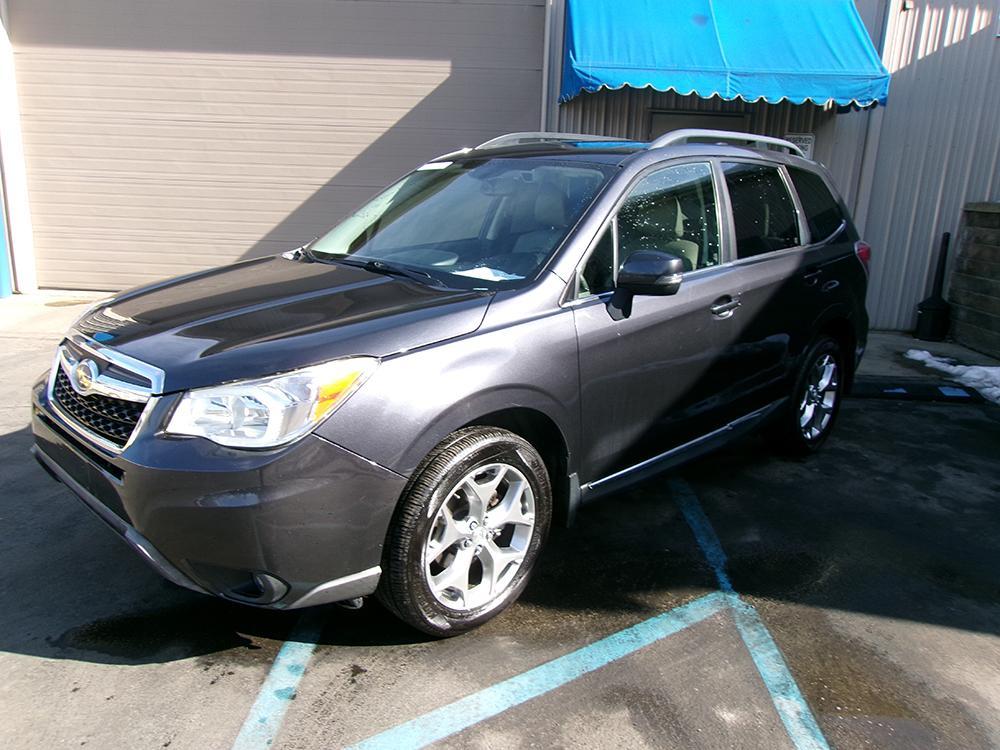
{"x": 647, "y": 272}
{"x": 651, "y": 272}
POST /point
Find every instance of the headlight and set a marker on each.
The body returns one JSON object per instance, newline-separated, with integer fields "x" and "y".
{"x": 271, "y": 411}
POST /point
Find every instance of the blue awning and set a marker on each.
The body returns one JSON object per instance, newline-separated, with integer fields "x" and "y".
{"x": 799, "y": 50}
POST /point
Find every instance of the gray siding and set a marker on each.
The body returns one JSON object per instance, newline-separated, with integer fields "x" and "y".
{"x": 162, "y": 138}
{"x": 938, "y": 146}
{"x": 906, "y": 169}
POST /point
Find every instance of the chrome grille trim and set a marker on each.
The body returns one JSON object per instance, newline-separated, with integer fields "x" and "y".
{"x": 106, "y": 386}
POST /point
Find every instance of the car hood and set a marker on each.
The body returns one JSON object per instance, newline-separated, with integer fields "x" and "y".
{"x": 271, "y": 315}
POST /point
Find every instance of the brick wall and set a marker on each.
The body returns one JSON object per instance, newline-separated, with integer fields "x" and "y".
{"x": 974, "y": 291}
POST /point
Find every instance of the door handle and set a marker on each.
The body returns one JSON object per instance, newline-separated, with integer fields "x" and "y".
{"x": 725, "y": 306}
{"x": 811, "y": 277}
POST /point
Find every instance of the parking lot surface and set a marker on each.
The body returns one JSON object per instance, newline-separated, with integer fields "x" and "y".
{"x": 872, "y": 567}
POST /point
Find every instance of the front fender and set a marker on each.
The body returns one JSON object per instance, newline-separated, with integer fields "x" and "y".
{"x": 416, "y": 399}
{"x": 474, "y": 407}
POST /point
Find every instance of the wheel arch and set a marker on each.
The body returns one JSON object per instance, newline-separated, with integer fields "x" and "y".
{"x": 533, "y": 415}
{"x": 544, "y": 434}
{"x": 841, "y": 330}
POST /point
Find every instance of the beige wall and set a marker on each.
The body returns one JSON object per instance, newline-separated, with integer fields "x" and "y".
{"x": 165, "y": 137}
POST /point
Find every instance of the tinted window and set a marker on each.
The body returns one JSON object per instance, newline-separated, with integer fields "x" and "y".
{"x": 763, "y": 212}
{"x": 673, "y": 211}
{"x": 599, "y": 271}
{"x": 477, "y": 224}
{"x": 822, "y": 210}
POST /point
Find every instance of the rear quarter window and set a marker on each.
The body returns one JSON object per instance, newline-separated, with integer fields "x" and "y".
{"x": 823, "y": 213}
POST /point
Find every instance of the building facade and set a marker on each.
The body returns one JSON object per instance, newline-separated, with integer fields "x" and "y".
{"x": 144, "y": 139}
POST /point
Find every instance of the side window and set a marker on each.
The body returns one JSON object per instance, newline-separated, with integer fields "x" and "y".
{"x": 673, "y": 211}
{"x": 599, "y": 272}
{"x": 822, "y": 211}
{"x": 763, "y": 212}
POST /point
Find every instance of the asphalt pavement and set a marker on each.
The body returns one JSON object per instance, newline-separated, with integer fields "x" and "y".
{"x": 864, "y": 605}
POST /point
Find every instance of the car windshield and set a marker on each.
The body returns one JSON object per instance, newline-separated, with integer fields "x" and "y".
{"x": 484, "y": 224}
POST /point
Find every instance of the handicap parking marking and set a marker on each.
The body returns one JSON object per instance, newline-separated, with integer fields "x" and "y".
{"x": 784, "y": 691}
{"x": 484, "y": 704}
{"x": 266, "y": 715}
{"x": 265, "y": 718}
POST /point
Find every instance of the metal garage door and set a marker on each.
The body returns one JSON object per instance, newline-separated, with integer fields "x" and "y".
{"x": 165, "y": 137}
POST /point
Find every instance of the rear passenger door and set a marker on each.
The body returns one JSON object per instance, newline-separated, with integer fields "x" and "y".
{"x": 767, "y": 236}
{"x": 833, "y": 279}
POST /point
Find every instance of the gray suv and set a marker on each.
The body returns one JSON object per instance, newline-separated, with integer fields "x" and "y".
{"x": 404, "y": 405}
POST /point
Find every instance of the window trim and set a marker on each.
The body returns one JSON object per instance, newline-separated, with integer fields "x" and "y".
{"x": 569, "y": 298}
{"x": 845, "y": 215}
{"x": 609, "y": 225}
{"x": 841, "y": 228}
{"x": 799, "y": 214}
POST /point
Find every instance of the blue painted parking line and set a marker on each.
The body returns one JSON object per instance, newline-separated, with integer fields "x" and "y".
{"x": 489, "y": 702}
{"x": 785, "y": 694}
{"x": 263, "y": 722}
{"x": 953, "y": 392}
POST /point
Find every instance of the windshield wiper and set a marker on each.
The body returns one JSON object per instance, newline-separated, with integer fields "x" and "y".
{"x": 391, "y": 269}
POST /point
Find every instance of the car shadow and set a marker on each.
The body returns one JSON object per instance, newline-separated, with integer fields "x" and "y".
{"x": 901, "y": 527}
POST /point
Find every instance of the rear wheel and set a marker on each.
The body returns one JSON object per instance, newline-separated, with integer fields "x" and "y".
{"x": 467, "y": 533}
{"x": 806, "y": 422}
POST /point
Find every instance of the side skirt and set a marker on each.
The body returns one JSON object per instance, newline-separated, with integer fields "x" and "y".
{"x": 681, "y": 454}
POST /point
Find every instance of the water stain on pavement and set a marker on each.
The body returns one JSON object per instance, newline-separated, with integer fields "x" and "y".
{"x": 196, "y": 628}
{"x": 858, "y": 696}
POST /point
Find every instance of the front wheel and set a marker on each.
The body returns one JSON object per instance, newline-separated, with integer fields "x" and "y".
{"x": 806, "y": 422}
{"x": 468, "y": 530}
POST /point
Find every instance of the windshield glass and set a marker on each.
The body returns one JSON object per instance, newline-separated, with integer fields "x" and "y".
{"x": 484, "y": 224}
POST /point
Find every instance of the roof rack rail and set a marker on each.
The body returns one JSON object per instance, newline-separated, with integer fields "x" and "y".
{"x": 683, "y": 136}
{"x": 516, "y": 139}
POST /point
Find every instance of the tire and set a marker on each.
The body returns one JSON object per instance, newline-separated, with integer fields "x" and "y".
{"x": 806, "y": 422}
{"x": 467, "y": 532}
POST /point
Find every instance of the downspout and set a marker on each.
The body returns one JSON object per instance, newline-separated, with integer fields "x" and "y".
{"x": 12, "y": 167}
{"x": 555, "y": 21}
{"x": 6, "y": 277}
{"x": 872, "y": 136}
{"x": 546, "y": 65}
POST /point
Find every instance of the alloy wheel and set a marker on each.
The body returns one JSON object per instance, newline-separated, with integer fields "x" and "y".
{"x": 822, "y": 389}
{"x": 479, "y": 537}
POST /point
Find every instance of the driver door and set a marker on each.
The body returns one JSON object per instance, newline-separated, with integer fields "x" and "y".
{"x": 650, "y": 382}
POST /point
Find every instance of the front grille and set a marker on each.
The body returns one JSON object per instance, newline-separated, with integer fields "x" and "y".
{"x": 113, "y": 419}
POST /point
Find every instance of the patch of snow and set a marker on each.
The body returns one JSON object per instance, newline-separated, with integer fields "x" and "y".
{"x": 986, "y": 380}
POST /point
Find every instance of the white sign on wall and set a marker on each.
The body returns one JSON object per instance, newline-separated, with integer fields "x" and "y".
{"x": 805, "y": 141}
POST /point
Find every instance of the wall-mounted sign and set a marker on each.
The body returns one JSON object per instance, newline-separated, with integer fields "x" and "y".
{"x": 805, "y": 141}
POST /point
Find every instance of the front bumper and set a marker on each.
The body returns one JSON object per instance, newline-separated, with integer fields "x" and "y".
{"x": 293, "y": 527}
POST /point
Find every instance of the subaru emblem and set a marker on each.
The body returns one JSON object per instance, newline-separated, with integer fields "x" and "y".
{"x": 83, "y": 376}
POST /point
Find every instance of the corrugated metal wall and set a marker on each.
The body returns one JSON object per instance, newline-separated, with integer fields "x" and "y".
{"x": 626, "y": 113}
{"x": 938, "y": 145}
{"x": 166, "y": 137}
{"x": 906, "y": 169}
